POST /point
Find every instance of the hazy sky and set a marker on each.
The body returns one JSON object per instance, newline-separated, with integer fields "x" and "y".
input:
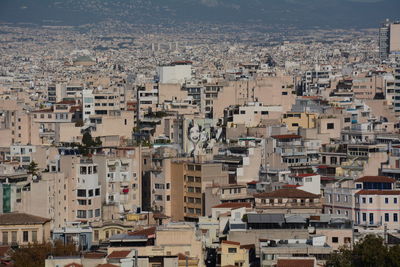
{"x": 300, "y": 13}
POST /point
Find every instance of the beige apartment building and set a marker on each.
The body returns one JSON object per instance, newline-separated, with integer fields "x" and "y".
{"x": 367, "y": 86}
{"x": 14, "y": 123}
{"x": 271, "y": 91}
{"x": 188, "y": 185}
{"x": 166, "y": 240}
{"x": 233, "y": 254}
{"x": 296, "y": 120}
{"x": 79, "y": 193}
{"x": 394, "y": 45}
{"x": 120, "y": 184}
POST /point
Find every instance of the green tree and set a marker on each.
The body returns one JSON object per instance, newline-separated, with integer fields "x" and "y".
{"x": 88, "y": 143}
{"x": 34, "y": 255}
{"x": 33, "y": 168}
{"x": 87, "y": 139}
{"x": 369, "y": 252}
{"x": 393, "y": 257}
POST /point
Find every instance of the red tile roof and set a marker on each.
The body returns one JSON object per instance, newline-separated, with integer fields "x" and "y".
{"x": 74, "y": 264}
{"x": 286, "y": 193}
{"x": 15, "y": 218}
{"x": 378, "y": 192}
{"x": 295, "y": 263}
{"x": 94, "y": 255}
{"x": 119, "y": 254}
{"x": 375, "y": 179}
{"x": 145, "y": 232}
{"x": 286, "y": 136}
{"x": 234, "y": 205}
{"x": 248, "y": 247}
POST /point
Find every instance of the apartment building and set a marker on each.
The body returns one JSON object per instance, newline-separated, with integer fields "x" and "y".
{"x": 120, "y": 182}
{"x": 78, "y": 192}
{"x": 188, "y": 185}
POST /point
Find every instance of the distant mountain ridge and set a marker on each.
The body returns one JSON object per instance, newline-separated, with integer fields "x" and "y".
{"x": 298, "y": 13}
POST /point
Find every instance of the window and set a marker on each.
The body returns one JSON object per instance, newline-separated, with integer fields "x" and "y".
{"x": 97, "y": 213}
{"x": 97, "y": 192}
{"x": 335, "y": 239}
{"x": 90, "y": 213}
{"x": 395, "y": 200}
{"x": 81, "y": 214}
{"x": 34, "y": 236}
{"x": 364, "y": 216}
{"x": 386, "y": 217}
{"x": 5, "y": 238}
{"x": 81, "y": 193}
{"x": 295, "y": 125}
{"x": 83, "y": 170}
{"x": 395, "y": 217}
{"x": 364, "y": 200}
{"x": 386, "y": 200}
{"x": 168, "y": 198}
{"x": 370, "y": 200}
{"x": 90, "y": 192}
{"x": 81, "y": 202}
{"x": 14, "y": 236}
{"x": 330, "y": 126}
{"x": 371, "y": 218}
{"x": 25, "y": 236}
{"x": 231, "y": 250}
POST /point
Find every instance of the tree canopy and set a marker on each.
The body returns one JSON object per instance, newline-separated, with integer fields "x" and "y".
{"x": 34, "y": 255}
{"x": 369, "y": 252}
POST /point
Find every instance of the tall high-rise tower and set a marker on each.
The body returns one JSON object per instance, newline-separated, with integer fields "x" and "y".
{"x": 384, "y": 38}
{"x": 389, "y": 39}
